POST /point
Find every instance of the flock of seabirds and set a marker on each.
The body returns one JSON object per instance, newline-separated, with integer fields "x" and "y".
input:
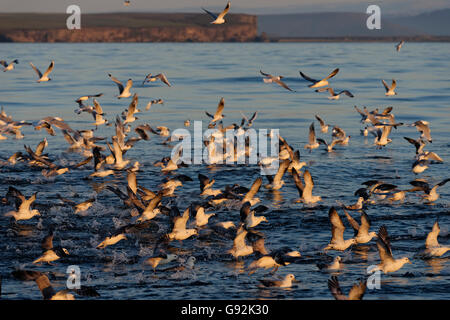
{"x": 107, "y": 156}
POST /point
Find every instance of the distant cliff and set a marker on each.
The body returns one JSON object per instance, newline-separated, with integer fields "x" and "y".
{"x": 130, "y": 27}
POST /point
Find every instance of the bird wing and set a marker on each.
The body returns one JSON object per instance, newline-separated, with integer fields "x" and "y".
{"x": 412, "y": 141}
{"x": 210, "y": 13}
{"x": 47, "y": 242}
{"x": 423, "y": 128}
{"x": 363, "y": 114}
{"x": 36, "y": 69}
{"x": 321, "y": 141}
{"x": 132, "y": 181}
{"x": 239, "y": 240}
{"x": 253, "y": 117}
{"x": 431, "y": 240}
{"x": 346, "y": 92}
{"x": 253, "y": 190}
{"x": 281, "y": 170}
{"x": 180, "y": 222}
{"x": 133, "y": 105}
{"x": 384, "y": 245}
{"x": 225, "y": 11}
{"x": 119, "y": 84}
{"x": 337, "y": 230}
{"x": 309, "y": 183}
{"x": 154, "y": 203}
{"x": 357, "y": 291}
{"x": 220, "y": 108}
{"x": 336, "y": 141}
{"x": 353, "y": 223}
{"x": 332, "y": 74}
{"x": 298, "y": 182}
{"x": 386, "y": 132}
{"x": 265, "y": 74}
{"x": 433, "y": 156}
{"x": 41, "y": 146}
{"x": 387, "y": 110}
{"x": 394, "y": 84}
{"x": 281, "y": 83}
{"x": 245, "y": 211}
{"x": 365, "y": 223}
{"x": 288, "y": 147}
{"x": 335, "y": 289}
{"x": 440, "y": 184}
{"x": 322, "y": 123}
{"x": 117, "y": 151}
{"x": 129, "y": 84}
{"x": 26, "y": 203}
{"x": 421, "y": 185}
{"x": 312, "y": 134}
{"x": 304, "y": 76}
{"x": 204, "y": 181}
{"x": 385, "y": 85}
{"x": 163, "y": 78}
{"x": 4, "y": 63}
{"x": 45, "y": 287}
{"x": 49, "y": 69}
{"x": 98, "y": 107}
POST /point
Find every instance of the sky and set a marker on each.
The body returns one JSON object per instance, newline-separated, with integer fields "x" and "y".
{"x": 403, "y": 7}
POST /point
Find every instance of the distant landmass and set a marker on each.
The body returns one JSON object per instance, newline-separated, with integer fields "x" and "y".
{"x": 341, "y": 24}
{"x": 127, "y": 27}
{"x": 196, "y": 27}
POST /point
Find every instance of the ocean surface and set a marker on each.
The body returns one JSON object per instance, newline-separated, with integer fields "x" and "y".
{"x": 200, "y": 75}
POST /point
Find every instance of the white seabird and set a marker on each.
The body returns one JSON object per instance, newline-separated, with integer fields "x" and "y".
{"x": 390, "y": 90}
{"x": 43, "y": 77}
{"x": 337, "y": 233}
{"x": 8, "y": 66}
{"x": 388, "y": 263}
{"x": 123, "y": 92}
{"x": 277, "y": 79}
{"x": 319, "y": 83}
{"x": 219, "y": 19}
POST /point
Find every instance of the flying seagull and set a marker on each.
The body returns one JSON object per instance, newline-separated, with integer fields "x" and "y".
{"x": 219, "y": 19}
{"x": 323, "y": 126}
{"x": 424, "y": 128}
{"x": 399, "y": 45}
{"x": 10, "y": 66}
{"x": 277, "y": 79}
{"x": 218, "y": 115}
{"x": 319, "y": 83}
{"x": 43, "y": 77}
{"x": 312, "y": 142}
{"x": 124, "y": 92}
{"x": 388, "y": 263}
{"x": 390, "y": 90}
{"x": 160, "y": 76}
{"x": 337, "y": 231}
{"x": 430, "y": 192}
